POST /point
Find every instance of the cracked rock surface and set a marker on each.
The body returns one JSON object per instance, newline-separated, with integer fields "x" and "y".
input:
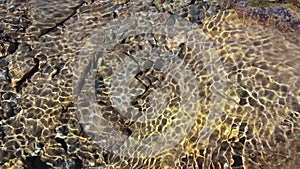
{"x": 39, "y": 43}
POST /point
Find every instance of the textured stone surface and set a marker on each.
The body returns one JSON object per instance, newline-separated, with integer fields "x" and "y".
{"x": 259, "y": 48}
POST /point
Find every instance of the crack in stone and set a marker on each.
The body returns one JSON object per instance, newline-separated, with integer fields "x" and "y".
{"x": 18, "y": 84}
{"x": 44, "y": 32}
{"x": 11, "y": 48}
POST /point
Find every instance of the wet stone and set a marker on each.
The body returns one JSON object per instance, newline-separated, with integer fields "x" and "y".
{"x": 170, "y": 21}
{"x": 42, "y": 67}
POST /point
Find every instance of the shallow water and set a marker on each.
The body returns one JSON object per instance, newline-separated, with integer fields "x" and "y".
{"x": 149, "y": 84}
